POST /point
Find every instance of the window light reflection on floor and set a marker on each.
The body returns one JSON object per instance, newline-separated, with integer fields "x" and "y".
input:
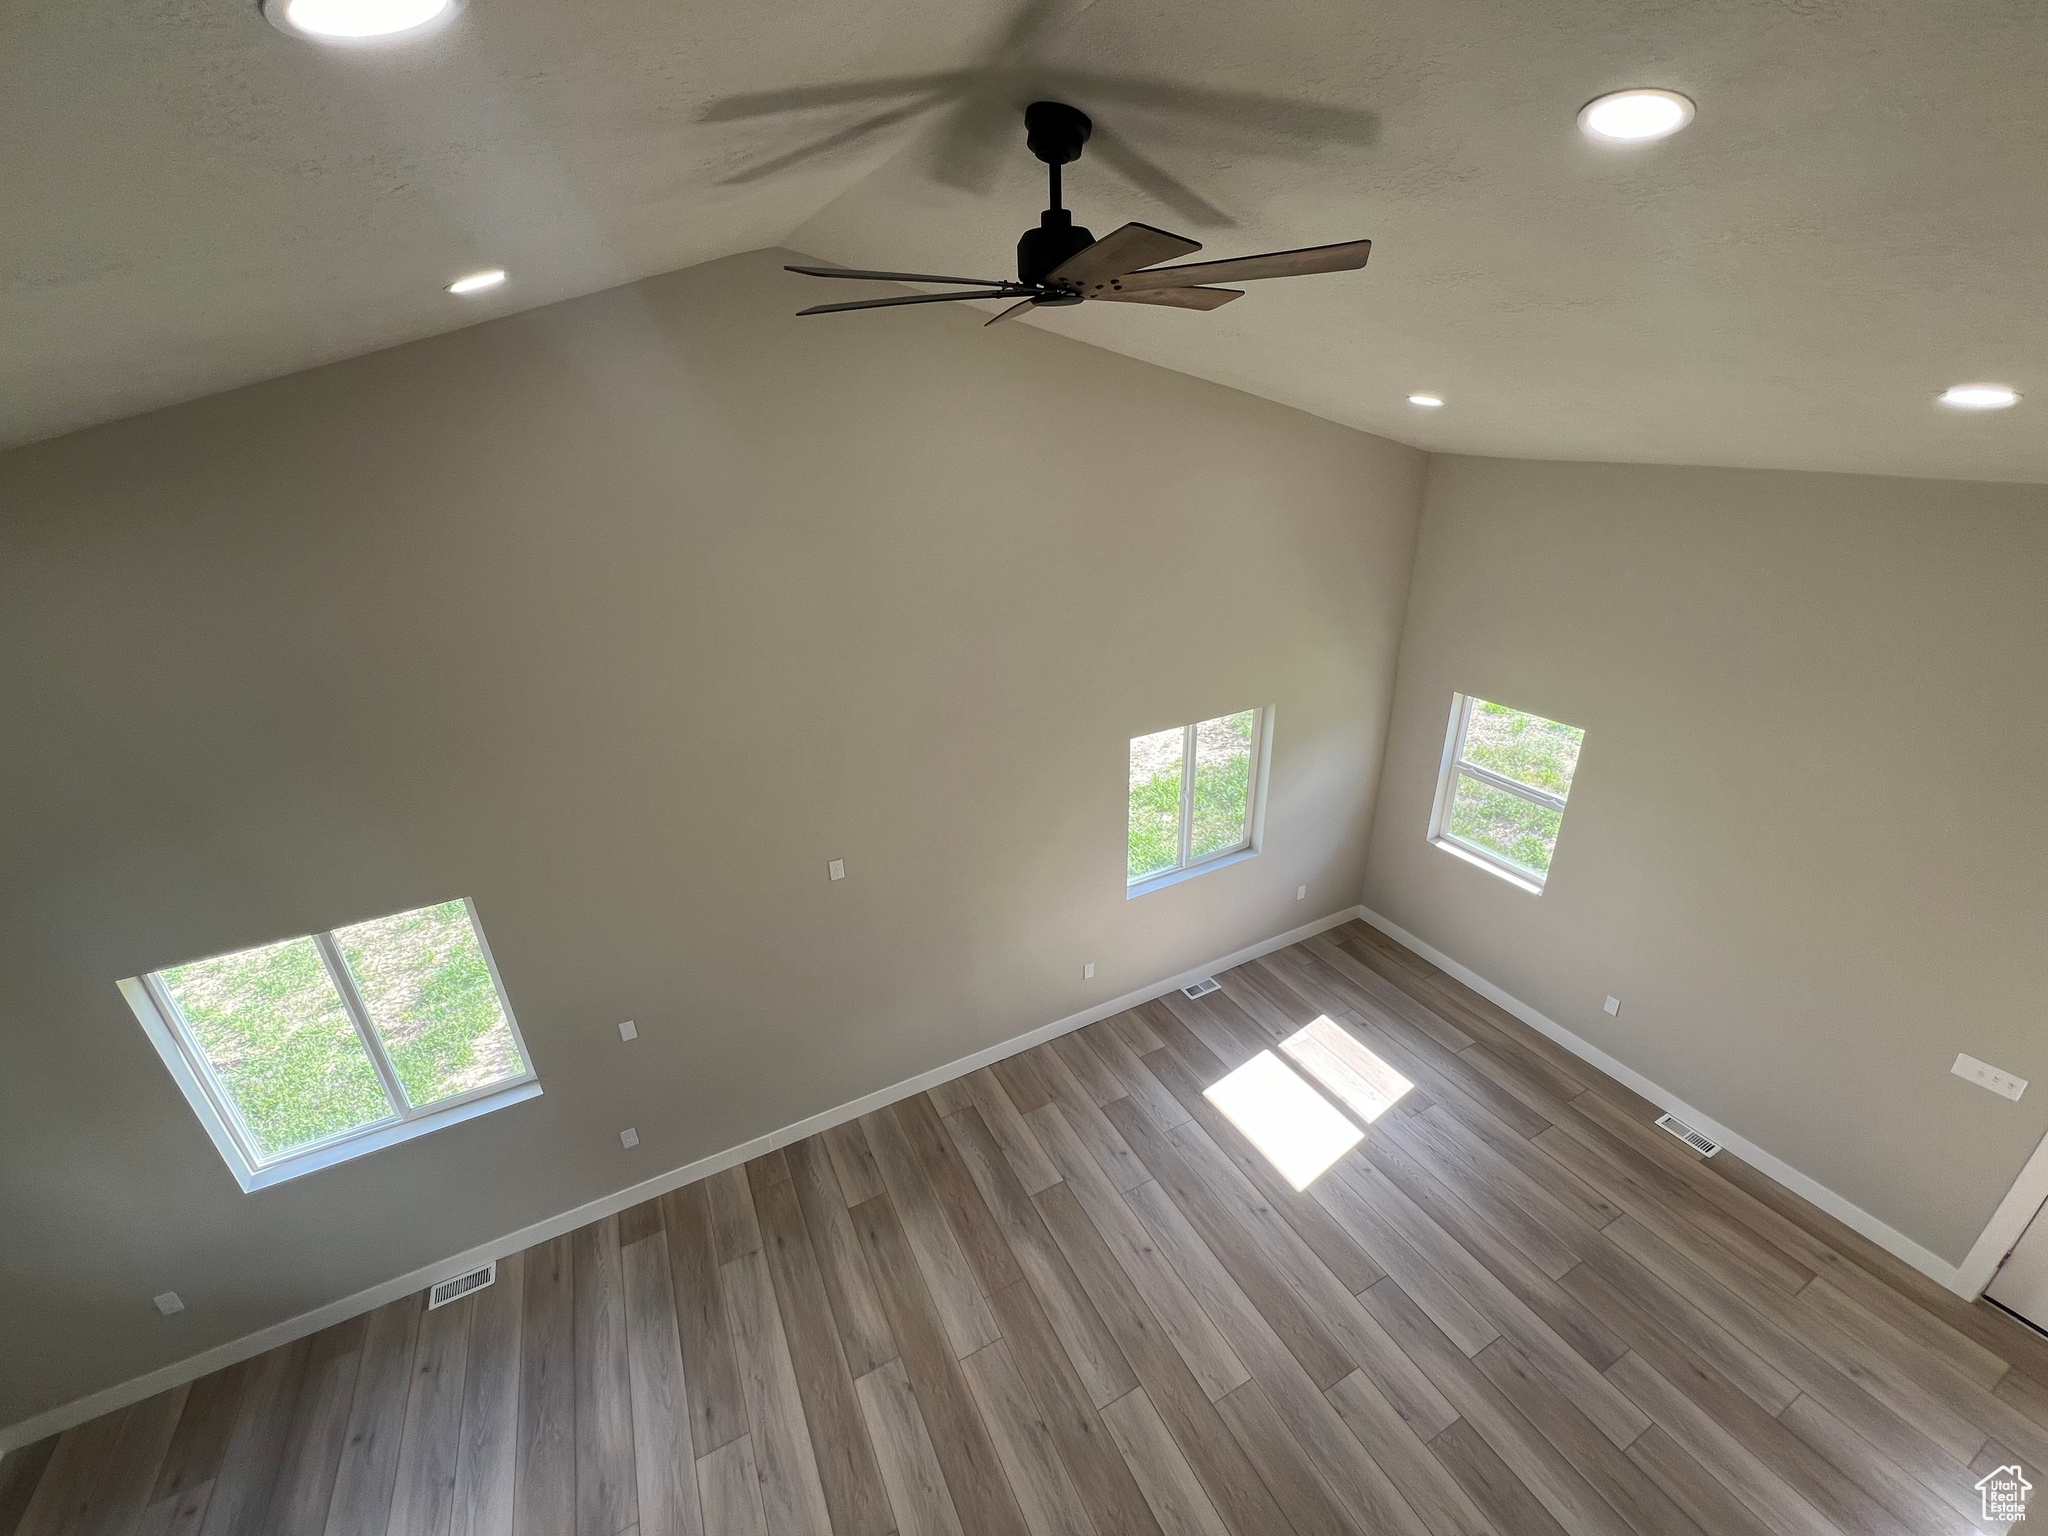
{"x": 1293, "y": 1125}
{"x": 1340, "y": 1061}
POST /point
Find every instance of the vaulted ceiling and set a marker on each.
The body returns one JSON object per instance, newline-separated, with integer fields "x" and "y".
{"x": 1857, "y": 218}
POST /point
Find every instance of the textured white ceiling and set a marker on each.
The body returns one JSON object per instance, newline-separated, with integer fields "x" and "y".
{"x": 1858, "y": 217}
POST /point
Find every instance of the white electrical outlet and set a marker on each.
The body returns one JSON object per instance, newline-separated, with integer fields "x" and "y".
{"x": 836, "y": 869}
{"x": 629, "y": 1137}
{"x": 1613, "y": 1006}
{"x": 1301, "y": 893}
{"x": 1985, "y": 1075}
{"x": 629, "y": 1030}
{"x": 1088, "y": 971}
{"x": 168, "y": 1303}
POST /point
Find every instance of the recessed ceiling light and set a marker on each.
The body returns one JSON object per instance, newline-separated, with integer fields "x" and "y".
{"x": 477, "y": 282}
{"x": 1427, "y": 402}
{"x": 1979, "y": 397}
{"x": 1634, "y": 117}
{"x": 353, "y": 20}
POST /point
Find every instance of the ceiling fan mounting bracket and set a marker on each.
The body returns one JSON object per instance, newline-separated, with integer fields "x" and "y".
{"x": 1055, "y": 131}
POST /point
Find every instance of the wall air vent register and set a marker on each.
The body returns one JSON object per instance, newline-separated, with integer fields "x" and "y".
{"x": 1688, "y": 1135}
{"x": 462, "y": 1285}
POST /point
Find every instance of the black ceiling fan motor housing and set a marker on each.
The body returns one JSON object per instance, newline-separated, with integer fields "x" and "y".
{"x": 1042, "y": 249}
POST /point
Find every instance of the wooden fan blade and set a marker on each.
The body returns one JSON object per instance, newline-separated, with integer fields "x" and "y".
{"x": 1120, "y": 251}
{"x": 910, "y": 298}
{"x": 899, "y": 277}
{"x": 1242, "y": 269}
{"x": 1009, "y": 314}
{"x": 1177, "y": 298}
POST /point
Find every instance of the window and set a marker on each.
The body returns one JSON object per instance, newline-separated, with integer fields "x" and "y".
{"x": 1506, "y": 777}
{"x": 302, "y": 1053}
{"x": 1194, "y": 797}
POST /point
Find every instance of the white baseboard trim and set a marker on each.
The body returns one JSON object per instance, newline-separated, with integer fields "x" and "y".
{"x": 1928, "y": 1262}
{"x": 53, "y": 1420}
{"x": 2003, "y": 1230}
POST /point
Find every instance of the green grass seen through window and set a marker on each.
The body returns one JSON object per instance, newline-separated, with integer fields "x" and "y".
{"x": 1157, "y": 762}
{"x": 281, "y": 1041}
{"x": 1520, "y": 831}
{"x": 1223, "y": 777}
{"x": 429, "y": 993}
{"x": 1530, "y": 750}
{"x": 1221, "y": 798}
{"x": 1526, "y": 748}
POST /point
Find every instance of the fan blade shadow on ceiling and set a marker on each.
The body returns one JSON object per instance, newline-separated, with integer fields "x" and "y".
{"x": 809, "y": 98}
{"x": 1254, "y": 111}
{"x": 1155, "y": 180}
{"x": 973, "y": 140}
{"x": 1033, "y": 24}
{"x": 962, "y": 165}
{"x": 985, "y": 98}
{"x": 839, "y": 139}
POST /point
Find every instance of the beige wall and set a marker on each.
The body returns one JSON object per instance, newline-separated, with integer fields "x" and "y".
{"x": 622, "y": 617}
{"x": 1807, "y": 845}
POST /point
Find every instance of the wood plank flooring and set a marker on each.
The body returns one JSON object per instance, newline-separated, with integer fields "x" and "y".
{"x": 1067, "y": 1296}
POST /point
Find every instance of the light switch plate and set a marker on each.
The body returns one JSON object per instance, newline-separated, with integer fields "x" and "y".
{"x": 1301, "y": 893}
{"x": 168, "y": 1303}
{"x": 1088, "y": 971}
{"x": 1613, "y": 1006}
{"x": 629, "y": 1030}
{"x": 836, "y": 869}
{"x": 1985, "y": 1075}
{"x": 629, "y": 1137}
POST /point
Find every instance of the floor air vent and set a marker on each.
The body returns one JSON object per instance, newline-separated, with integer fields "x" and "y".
{"x": 1201, "y": 988}
{"x": 1688, "y": 1135}
{"x": 462, "y": 1285}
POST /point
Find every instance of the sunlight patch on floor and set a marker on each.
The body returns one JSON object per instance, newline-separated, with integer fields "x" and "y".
{"x": 1293, "y": 1125}
{"x": 1341, "y": 1062}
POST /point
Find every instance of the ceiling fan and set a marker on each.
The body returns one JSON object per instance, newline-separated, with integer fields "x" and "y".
{"x": 1060, "y": 263}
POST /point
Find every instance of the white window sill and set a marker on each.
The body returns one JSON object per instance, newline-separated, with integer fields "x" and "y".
{"x": 1153, "y": 883}
{"x": 1514, "y": 877}
{"x": 376, "y": 1137}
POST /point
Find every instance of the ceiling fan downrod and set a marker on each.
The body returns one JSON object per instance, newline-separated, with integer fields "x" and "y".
{"x": 1055, "y": 133}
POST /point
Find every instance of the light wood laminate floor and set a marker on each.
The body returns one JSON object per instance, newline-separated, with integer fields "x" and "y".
{"x": 1065, "y": 1295}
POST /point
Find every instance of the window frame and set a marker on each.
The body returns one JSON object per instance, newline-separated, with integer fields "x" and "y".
{"x": 1455, "y": 763}
{"x": 1185, "y": 868}
{"x": 165, "y": 1023}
